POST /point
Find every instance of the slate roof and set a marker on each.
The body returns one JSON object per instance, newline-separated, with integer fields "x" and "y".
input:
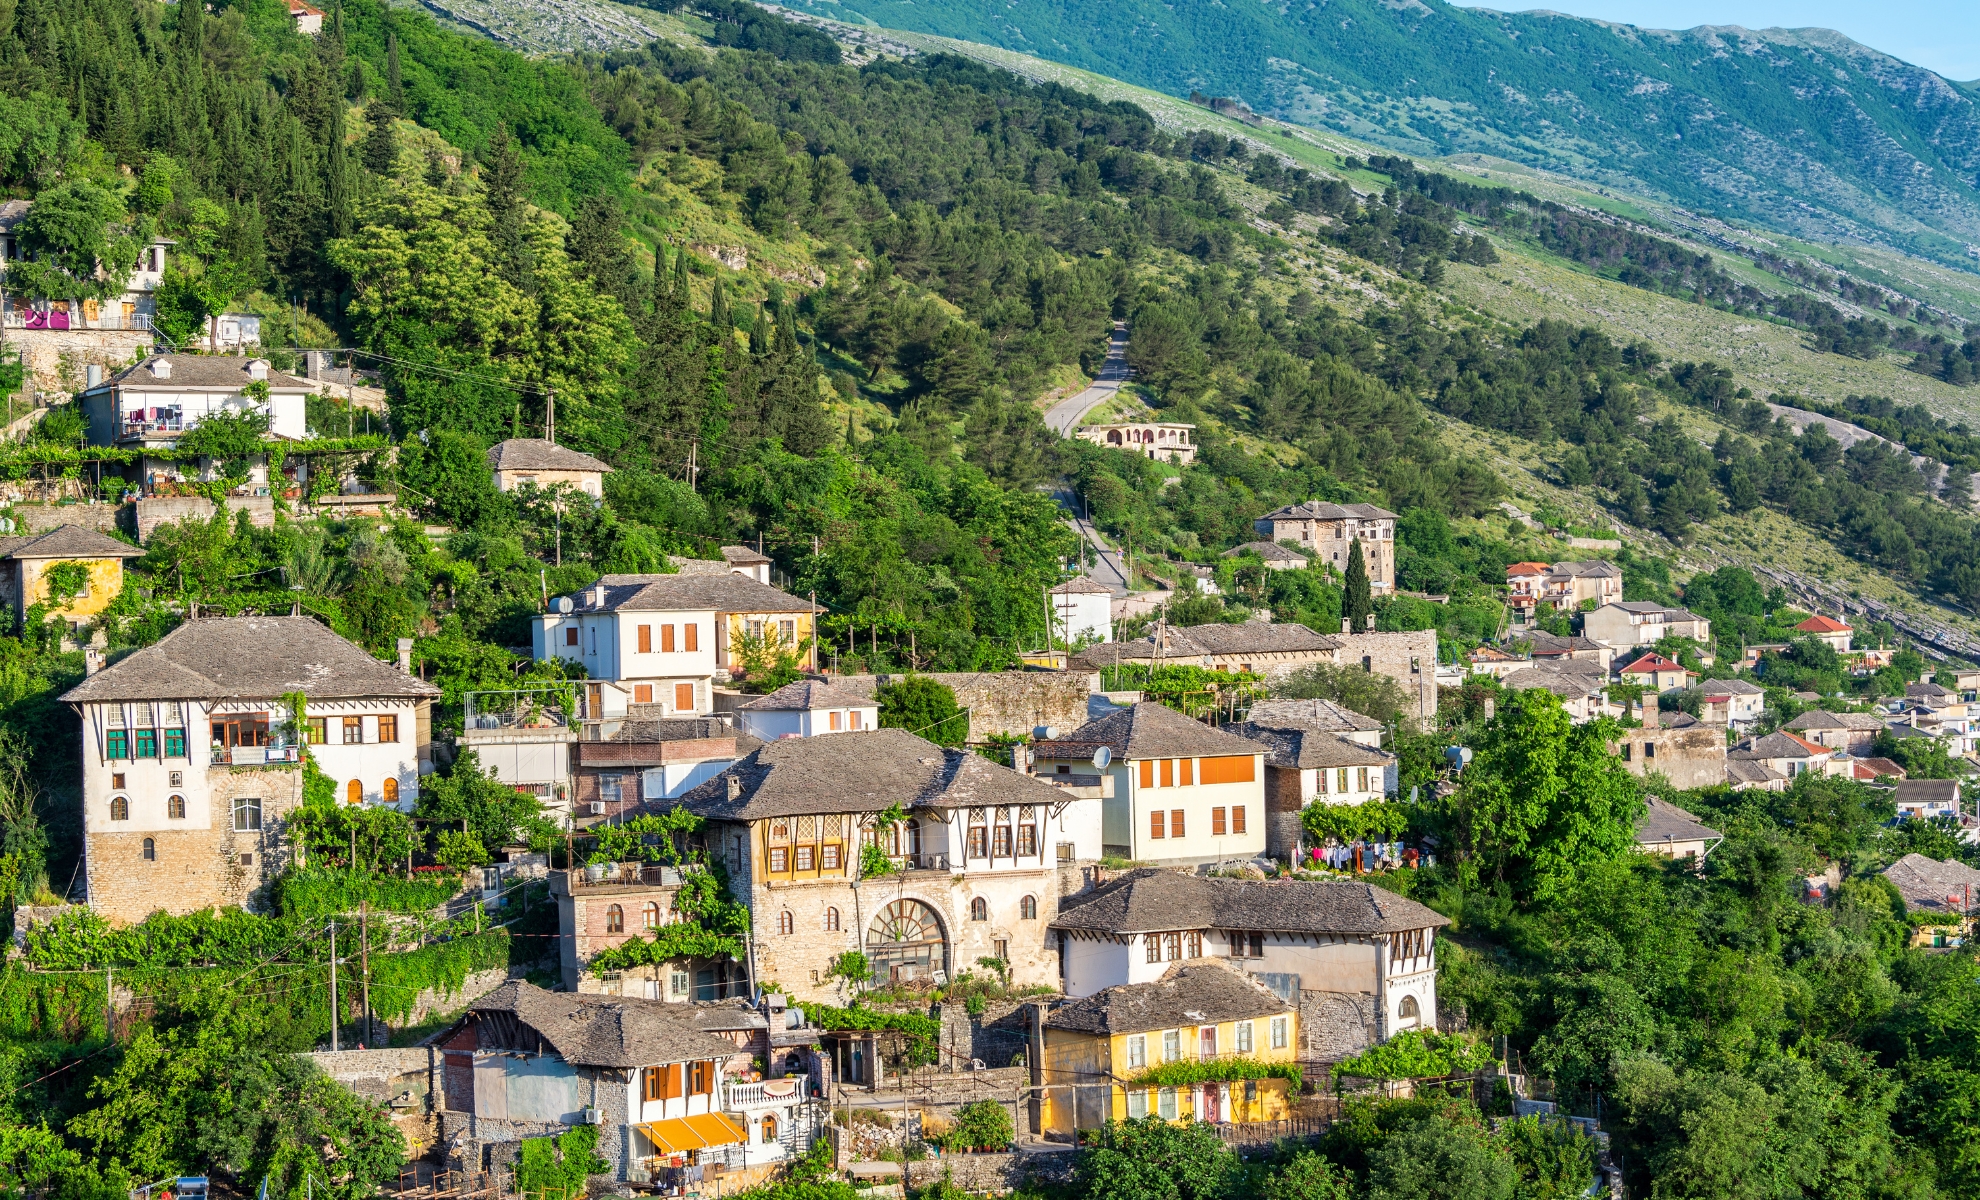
{"x": 806, "y": 695}
{"x": 1294, "y": 745}
{"x": 1151, "y": 900}
{"x": 1539, "y": 643}
{"x": 611, "y": 1031}
{"x": 1882, "y": 768}
{"x": 642, "y": 743}
{"x": 536, "y": 454}
{"x": 1201, "y": 641}
{"x": 1591, "y": 569}
{"x": 1742, "y": 771}
{"x": 860, "y": 772}
{"x": 1148, "y": 730}
{"x": 249, "y": 658}
{"x": 1927, "y": 791}
{"x": 1198, "y": 993}
{"x": 1322, "y": 714}
{"x": 1731, "y": 687}
{"x": 743, "y": 556}
{"x": 11, "y": 213}
{"x": 1320, "y": 510}
{"x": 1080, "y": 585}
{"x": 1816, "y": 718}
{"x": 1666, "y": 822}
{"x": 725, "y": 592}
{"x": 1566, "y": 684}
{"x": 203, "y": 372}
{"x": 1776, "y": 745}
{"x": 1269, "y": 551}
{"x": 1927, "y": 883}
{"x": 1926, "y": 691}
{"x": 67, "y": 541}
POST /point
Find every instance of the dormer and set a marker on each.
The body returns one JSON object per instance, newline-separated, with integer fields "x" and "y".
{"x": 161, "y": 368}
{"x": 257, "y": 368}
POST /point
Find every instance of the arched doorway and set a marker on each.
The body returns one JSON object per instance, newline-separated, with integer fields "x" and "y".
{"x": 354, "y": 792}
{"x": 906, "y": 942}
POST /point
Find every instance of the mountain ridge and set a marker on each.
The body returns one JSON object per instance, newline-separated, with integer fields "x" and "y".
{"x": 1890, "y": 156}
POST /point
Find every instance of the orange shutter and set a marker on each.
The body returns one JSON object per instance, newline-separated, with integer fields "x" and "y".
{"x": 1188, "y": 769}
{"x": 1168, "y": 772}
{"x": 1148, "y": 774}
{"x": 1239, "y": 768}
{"x": 1155, "y": 824}
{"x": 684, "y": 696}
{"x": 666, "y": 639}
{"x": 646, "y": 639}
{"x": 692, "y": 635}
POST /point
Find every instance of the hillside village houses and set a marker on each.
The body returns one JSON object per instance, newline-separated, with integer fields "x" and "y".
{"x": 536, "y": 462}
{"x": 1567, "y": 586}
{"x": 135, "y": 309}
{"x": 26, "y": 561}
{"x": 1327, "y": 531}
{"x": 191, "y": 763}
{"x": 1626, "y": 624}
{"x": 151, "y": 405}
{"x": 1829, "y": 631}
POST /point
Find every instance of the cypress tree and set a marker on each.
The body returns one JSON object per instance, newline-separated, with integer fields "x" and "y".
{"x": 718, "y": 309}
{"x": 683, "y": 295}
{"x": 759, "y": 333}
{"x": 381, "y": 145}
{"x": 1356, "y": 605}
{"x": 395, "y": 84}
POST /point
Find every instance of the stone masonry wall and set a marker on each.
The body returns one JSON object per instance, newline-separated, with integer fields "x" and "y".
{"x": 153, "y": 511}
{"x": 1337, "y": 1025}
{"x": 192, "y": 869}
{"x": 1282, "y": 808}
{"x": 1408, "y": 658}
{"x": 1004, "y": 702}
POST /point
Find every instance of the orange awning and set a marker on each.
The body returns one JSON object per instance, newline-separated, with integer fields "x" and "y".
{"x": 682, "y": 1134}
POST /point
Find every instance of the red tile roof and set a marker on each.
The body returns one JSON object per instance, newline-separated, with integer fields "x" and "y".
{"x": 1821, "y": 624}
{"x": 1526, "y": 568}
{"x": 1650, "y": 663}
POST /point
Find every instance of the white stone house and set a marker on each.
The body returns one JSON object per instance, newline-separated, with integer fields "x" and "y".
{"x": 666, "y": 639}
{"x": 190, "y": 763}
{"x": 133, "y": 310}
{"x": 155, "y": 403}
{"x": 1631, "y": 623}
{"x": 978, "y": 858}
{"x": 1177, "y": 791}
{"x": 1307, "y": 764}
{"x": 1165, "y": 441}
{"x": 1359, "y": 961}
{"x": 1081, "y": 609}
{"x": 535, "y": 462}
{"x": 808, "y": 708}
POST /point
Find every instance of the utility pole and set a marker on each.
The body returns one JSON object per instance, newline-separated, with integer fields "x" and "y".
{"x": 334, "y": 1047}
{"x": 364, "y": 961}
{"x": 550, "y": 415}
{"x": 692, "y": 447}
{"x": 109, "y": 1005}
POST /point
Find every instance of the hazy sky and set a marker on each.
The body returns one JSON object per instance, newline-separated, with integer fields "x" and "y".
{"x": 1943, "y": 35}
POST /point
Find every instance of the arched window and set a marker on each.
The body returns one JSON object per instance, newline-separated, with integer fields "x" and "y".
{"x": 979, "y": 909}
{"x": 1113, "y": 437}
{"x": 906, "y": 942}
{"x": 786, "y": 923}
{"x": 650, "y": 915}
{"x": 1028, "y": 908}
{"x": 769, "y": 1128}
{"x": 120, "y": 809}
{"x": 150, "y": 850}
{"x": 831, "y": 920}
{"x": 354, "y": 792}
{"x": 1407, "y": 1013}
{"x": 390, "y": 790}
{"x": 615, "y": 919}
{"x": 175, "y": 808}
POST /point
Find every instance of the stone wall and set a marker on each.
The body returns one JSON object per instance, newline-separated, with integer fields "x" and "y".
{"x": 1004, "y": 702}
{"x": 192, "y": 869}
{"x": 1337, "y": 1025}
{"x": 40, "y": 518}
{"x": 993, "y": 1037}
{"x": 1691, "y": 757}
{"x": 153, "y": 511}
{"x": 1408, "y": 658}
{"x": 995, "y": 1174}
{"x": 55, "y": 358}
{"x": 1283, "y": 831}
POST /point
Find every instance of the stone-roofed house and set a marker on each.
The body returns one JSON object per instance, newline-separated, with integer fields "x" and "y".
{"x": 658, "y": 1080}
{"x": 1854, "y": 732}
{"x": 1672, "y": 832}
{"x": 1320, "y": 714}
{"x": 1787, "y": 755}
{"x": 740, "y": 560}
{"x": 807, "y": 708}
{"x": 1743, "y": 775}
{"x": 980, "y": 849}
{"x": 1275, "y": 556}
{"x": 1583, "y": 689}
{"x": 1181, "y": 792}
{"x": 1307, "y": 764}
{"x": 1096, "y": 1050}
{"x": 1547, "y": 649}
{"x": 1734, "y": 703}
{"x": 667, "y": 639}
{"x": 1358, "y": 960}
{"x": 191, "y": 765}
{"x": 25, "y": 562}
{"x": 1490, "y": 660}
{"x": 1266, "y": 648}
{"x": 154, "y": 402}
{"x": 1931, "y": 885}
{"x": 1626, "y": 624}
{"x": 536, "y": 462}
{"x": 1330, "y": 530}
{"x": 1927, "y": 798}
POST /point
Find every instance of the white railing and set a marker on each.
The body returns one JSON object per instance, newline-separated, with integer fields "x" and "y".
{"x": 254, "y": 756}
{"x": 765, "y": 1092}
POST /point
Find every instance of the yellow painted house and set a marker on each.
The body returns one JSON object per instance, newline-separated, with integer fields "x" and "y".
{"x": 25, "y": 563}
{"x": 1193, "y": 1045}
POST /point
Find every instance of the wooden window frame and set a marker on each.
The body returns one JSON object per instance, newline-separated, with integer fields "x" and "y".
{"x": 690, "y": 637}
{"x": 1217, "y": 825}
{"x": 388, "y": 729}
{"x": 678, "y": 689}
{"x": 1176, "y": 823}
{"x": 1237, "y": 820}
{"x": 666, "y": 639}
{"x": 1157, "y": 824}
{"x": 645, "y": 640}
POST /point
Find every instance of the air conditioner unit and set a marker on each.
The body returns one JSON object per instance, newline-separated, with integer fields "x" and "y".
{"x": 597, "y": 808}
{"x": 591, "y": 1116}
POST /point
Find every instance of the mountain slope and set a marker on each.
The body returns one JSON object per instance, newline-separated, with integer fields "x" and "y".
{"x": 1802, "y": 129}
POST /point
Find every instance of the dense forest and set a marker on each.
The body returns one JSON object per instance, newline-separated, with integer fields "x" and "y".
{"x": 488, "y": 232}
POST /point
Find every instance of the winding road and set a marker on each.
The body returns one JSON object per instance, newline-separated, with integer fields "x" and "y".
{"x": 1065, "y": 416}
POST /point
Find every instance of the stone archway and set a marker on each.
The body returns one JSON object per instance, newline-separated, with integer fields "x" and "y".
{"x": 905, "y": 943}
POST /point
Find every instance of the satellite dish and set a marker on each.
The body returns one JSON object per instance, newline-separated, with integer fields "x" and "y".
{"x": 1103, "y": 757}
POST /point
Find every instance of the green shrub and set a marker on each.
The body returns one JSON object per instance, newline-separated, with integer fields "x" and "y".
{"x": 979, "y": 1125}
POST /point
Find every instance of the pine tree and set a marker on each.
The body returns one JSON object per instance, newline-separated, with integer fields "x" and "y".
{"x": 1356, "y": 605}
{"x": 381, "y": 145}
{"x": 683, "y": 294}
{"x": 759, "y": 334}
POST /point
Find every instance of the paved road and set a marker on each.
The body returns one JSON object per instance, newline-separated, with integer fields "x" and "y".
{"x": 1066, "y": 415}
{"x": 1109, "y": 572}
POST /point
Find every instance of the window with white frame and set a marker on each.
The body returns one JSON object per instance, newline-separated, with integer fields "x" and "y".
{"x": 1172, "y": 1046}
{"x": 1244, "y": 1037}
{"x": 1137, "y": 1051}
{"x": 1278, "y": 1033}
{"x": 1137, "y": 1104}
{"x": 1166, "y": 1107}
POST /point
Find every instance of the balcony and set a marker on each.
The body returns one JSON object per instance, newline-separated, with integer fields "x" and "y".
{"x": 136, "y": 430}
{"x": 545, "y": 709}
{"x": 764, "y": 1093}
{"x": 255, "y": 756}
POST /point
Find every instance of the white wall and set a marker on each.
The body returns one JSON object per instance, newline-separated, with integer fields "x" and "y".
{"x": 371, "y": 761}
{"x": 1198, "y": 843}
{"x": 674, "y": 779}
{"x": 771, "y": 724}
{"x": 1082, "y": 613}
{"x": 1092, "y": 965}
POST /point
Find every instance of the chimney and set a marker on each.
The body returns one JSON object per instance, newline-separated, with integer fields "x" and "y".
{"x": 1371, "y": 622}
{"x": 92, "y": 660}
{"x": 598, "y": 596}
{"x": 1491, "y": 708}
{"x": 405, "y": 655}
{"x": 93, "y": 375}
{"x": 735, "y": 788}
{"x": 1347, "y": 624}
